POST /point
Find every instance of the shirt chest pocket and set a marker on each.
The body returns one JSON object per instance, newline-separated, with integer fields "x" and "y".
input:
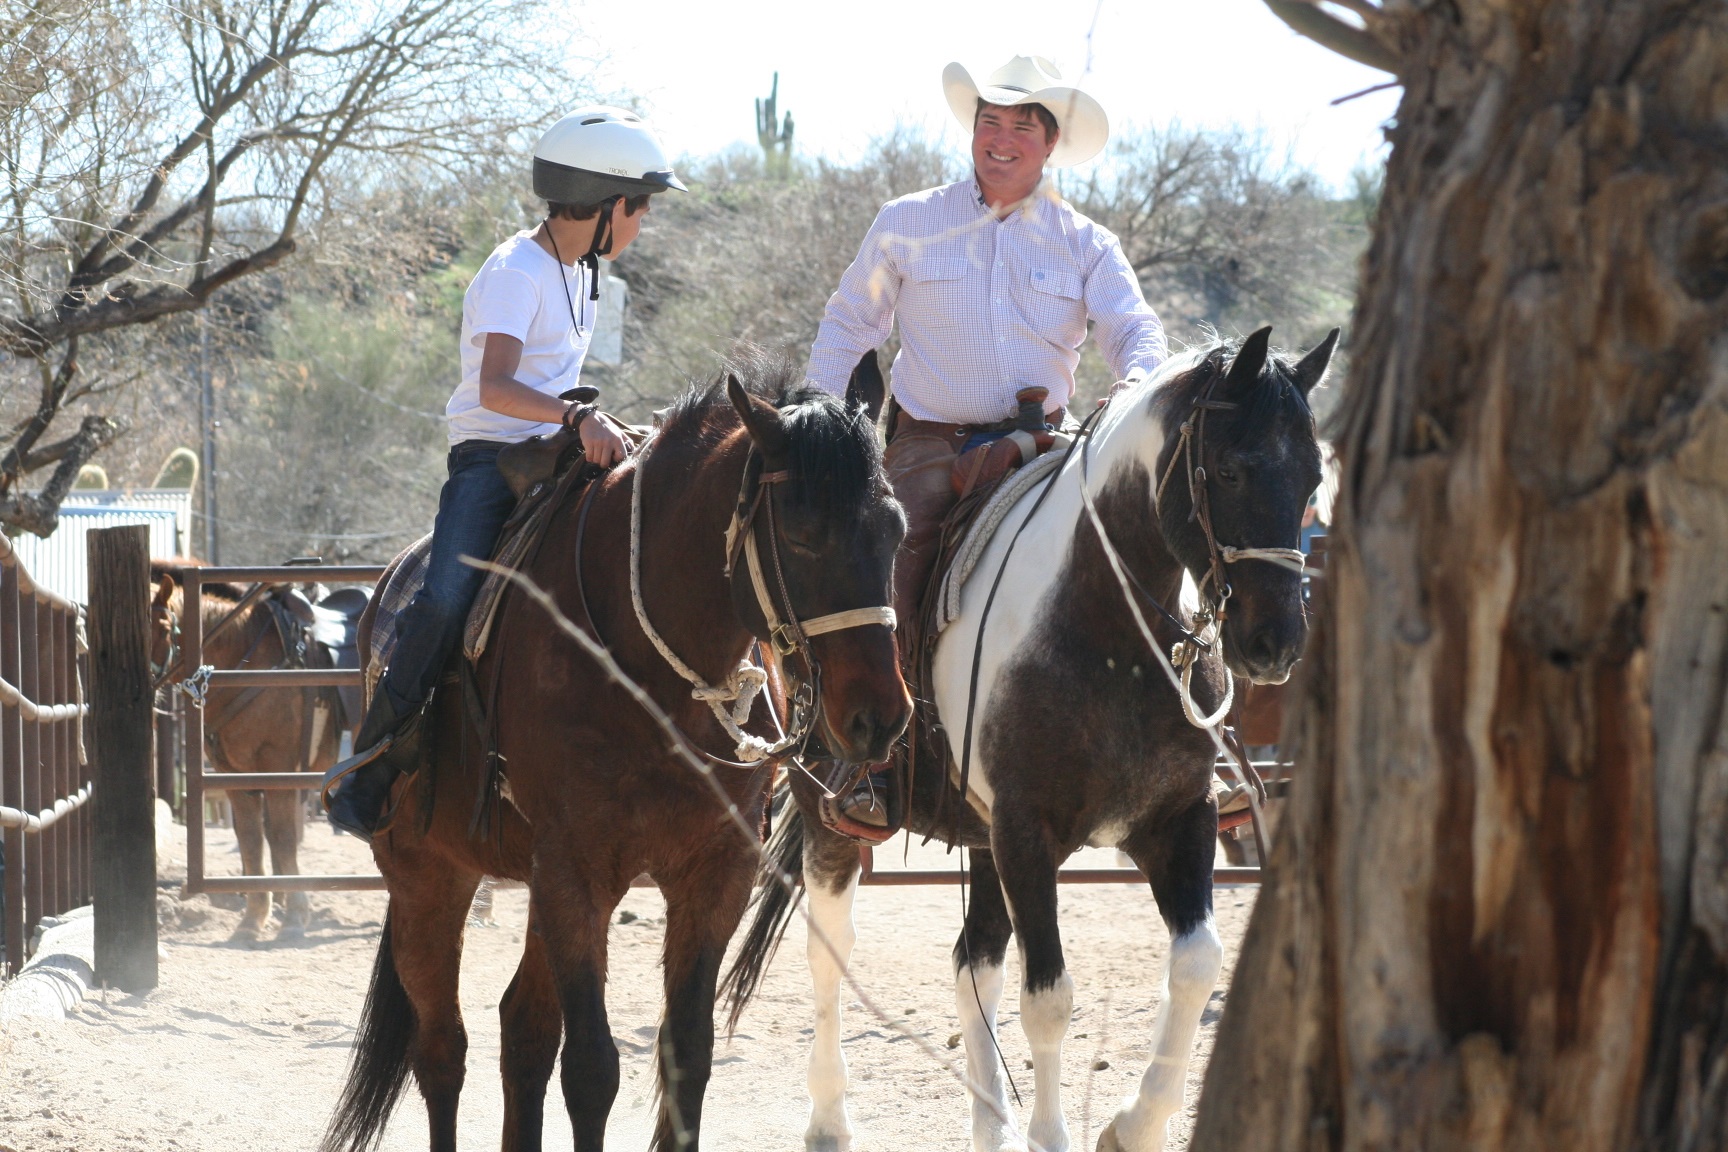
{"x": 1051, "y": 282}
{"x": 935, "y": 294}
{"x": 936, "y": 269}
{"x": 1053, "y": 305}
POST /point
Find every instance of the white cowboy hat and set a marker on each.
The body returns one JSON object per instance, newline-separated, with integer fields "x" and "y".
{"x": 1034, "y": 80}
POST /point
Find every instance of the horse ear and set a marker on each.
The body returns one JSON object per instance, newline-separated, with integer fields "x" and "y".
{"x": 761, "y": 419}
{"x": 1312, "y": 368}
{"x": 1244, "y": 371}
{"x": 164, "y": 591}
{"x": 866, "y": 386}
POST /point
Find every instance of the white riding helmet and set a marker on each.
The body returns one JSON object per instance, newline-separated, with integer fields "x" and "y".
{"x": 596, "y": 153}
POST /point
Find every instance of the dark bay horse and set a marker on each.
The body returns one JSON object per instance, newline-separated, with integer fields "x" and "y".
{"x": 591, "y": 797}
{"x": 1079, "y": 737}
{"x": 253, "y": 730}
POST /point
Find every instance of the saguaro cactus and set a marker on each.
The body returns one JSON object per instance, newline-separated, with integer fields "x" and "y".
{"x": 774, "y": 134}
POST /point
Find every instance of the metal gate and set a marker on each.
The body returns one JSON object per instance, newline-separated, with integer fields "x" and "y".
{"x": 192, "y": 725}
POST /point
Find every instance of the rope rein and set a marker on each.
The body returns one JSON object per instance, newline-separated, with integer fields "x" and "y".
{"x": 743, "y": 684}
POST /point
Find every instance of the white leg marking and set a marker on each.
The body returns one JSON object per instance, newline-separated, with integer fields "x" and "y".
{"x": 1044, "y": 1016}
{"x": 993, "y": 1127}
{"x": 1195, "y": 959}
{"x": 830, "y": 1130}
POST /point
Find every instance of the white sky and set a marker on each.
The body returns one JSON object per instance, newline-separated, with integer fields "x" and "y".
{"x": 849, "y": 71}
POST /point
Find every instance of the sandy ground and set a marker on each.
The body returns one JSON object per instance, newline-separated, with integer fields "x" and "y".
{"x": 246, "y": 1048}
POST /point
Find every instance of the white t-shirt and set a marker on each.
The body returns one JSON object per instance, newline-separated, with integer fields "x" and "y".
{"x": 517, "y": 292}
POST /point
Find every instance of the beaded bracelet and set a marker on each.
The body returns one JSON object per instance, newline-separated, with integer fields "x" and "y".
{"x": 576, "y": 413}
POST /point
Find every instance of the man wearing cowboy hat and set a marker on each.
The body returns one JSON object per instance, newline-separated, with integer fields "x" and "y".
{"x": 992, "y": 280}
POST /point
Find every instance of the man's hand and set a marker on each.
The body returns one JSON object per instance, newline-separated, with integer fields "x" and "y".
{"x": 601, "y": 443}
{"x": 1121, "y": 386}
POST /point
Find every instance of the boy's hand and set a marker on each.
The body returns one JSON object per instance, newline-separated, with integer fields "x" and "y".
{"x": 601, "y": 443}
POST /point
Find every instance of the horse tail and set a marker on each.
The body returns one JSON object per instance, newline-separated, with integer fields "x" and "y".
{"x": 774, "y": 906}
{"x": 378, "y": 1070}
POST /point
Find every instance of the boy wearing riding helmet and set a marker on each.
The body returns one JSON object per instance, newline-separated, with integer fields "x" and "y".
{"x": 526, "y": 322}
{"x": 993, "y": 281}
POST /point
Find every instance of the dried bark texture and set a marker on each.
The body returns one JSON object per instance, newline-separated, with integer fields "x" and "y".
{"x": 1497, "y": 916}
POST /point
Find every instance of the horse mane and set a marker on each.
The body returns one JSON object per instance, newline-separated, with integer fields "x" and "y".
{"x": 1182, "y": 378}
{"x": 177, "y": 569}
{"x": 835, "y": 453}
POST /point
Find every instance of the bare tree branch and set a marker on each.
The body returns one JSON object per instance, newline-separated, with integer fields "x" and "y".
{"x": 39, "y": 512}
{"x": 110, "y": 108}
{"x": 1349, "y": 41}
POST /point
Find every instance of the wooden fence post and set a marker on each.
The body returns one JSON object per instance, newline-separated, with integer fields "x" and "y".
{"x": 123, "y": 748}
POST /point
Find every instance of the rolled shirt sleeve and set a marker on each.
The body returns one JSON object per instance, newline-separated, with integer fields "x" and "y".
{"x": 860, "y": 313}
{"x": 1128, "y": 332}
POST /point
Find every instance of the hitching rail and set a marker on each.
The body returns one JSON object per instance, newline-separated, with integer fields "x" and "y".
{"x": 45, "y": 784}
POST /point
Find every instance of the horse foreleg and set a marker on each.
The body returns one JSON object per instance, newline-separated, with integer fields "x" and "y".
{"x": 1028, "y": 871}
{"x": 703, "y": 906}
{"x": 282, "y": 824}
{"x": 573, "y": 912}
{"x": 248, "y": 809}
{"x": 530, "y": 1028}
{"x": 1178, "y": 862}
{"x": 831, "y": 885}
{"x": 978, "y": 956}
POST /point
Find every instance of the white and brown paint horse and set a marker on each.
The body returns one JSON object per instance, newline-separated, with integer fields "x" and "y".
{"x": 1079, "y": 736}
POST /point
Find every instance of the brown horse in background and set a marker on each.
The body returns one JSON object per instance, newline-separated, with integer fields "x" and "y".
{"x": 248, "y": 730}
{"x": 590, "y": 797}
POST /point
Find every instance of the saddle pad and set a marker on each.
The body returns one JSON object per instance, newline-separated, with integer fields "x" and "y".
{"x": 407, "y": 572}
{"x": 516, "y": 544}
{"x": 1015, "y": 485}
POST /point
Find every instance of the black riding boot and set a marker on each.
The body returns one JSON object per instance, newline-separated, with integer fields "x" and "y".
{"x": 388, "y": 745}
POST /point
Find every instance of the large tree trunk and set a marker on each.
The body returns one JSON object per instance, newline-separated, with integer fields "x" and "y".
{"x": 1497, "y": 916}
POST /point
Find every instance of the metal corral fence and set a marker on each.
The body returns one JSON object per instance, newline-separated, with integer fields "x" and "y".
{"x": 45, "y": 783}
{"x": 198, "y": 782}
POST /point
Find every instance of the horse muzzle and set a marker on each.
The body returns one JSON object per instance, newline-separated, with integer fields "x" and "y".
{"x": 865, "y": 704}
{"x": 1265, "y": 651}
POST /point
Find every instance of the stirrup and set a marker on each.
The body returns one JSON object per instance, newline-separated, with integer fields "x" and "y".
{"x": 835, "y": 818}
{"x": 343, "y": 769}
{"x": 1234, "y": 809}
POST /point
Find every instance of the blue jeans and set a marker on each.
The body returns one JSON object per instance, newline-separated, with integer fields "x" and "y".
{"x": 472, "y": 508}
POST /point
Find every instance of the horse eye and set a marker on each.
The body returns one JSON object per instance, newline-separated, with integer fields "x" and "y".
{"x": 1228, "y": 474}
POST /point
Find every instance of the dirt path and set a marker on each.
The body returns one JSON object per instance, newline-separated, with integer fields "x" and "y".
{"x": 245, "y": 1048}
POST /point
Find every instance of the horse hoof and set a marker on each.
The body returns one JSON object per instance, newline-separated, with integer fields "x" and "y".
{"x": 246, "y": 936}
{"x": 292, "y": 930}
{"x": 827, "y": 1142}
{"x": 1107, "y": 1141}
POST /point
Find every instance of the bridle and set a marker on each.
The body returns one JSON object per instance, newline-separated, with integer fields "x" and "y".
{"x": 1208, "y": 630}
{"x": 160, "y": 673}
{"x": 732, "y": 701}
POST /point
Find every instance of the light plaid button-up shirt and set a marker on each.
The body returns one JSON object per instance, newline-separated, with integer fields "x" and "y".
{"x": 986, "y": 306}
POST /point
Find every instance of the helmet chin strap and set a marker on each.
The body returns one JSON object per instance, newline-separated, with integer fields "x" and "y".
{"x": 602, "y": 245}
